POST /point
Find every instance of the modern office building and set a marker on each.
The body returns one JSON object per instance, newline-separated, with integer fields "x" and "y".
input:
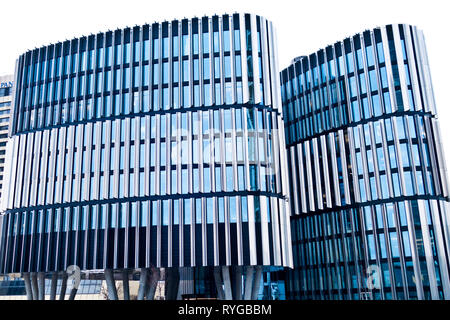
{"x": 172, "y": 153}
{"x": 153, "y": 147}
{"x": 370, "y": 216}
{"x": 7, "y": 286}
{"x": 6, "y": 87}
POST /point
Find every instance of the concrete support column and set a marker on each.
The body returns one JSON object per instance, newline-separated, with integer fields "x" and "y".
{"x": 126, "y": 286}
{"x": 28, "y": 290}
{"x": 172, "y": 283}
{"x": 62, "y": 294}
{"x": 111, "y": 284}
{"x": 227, "y": 283}
{"x": 236, "y": 282}
{"x": 153, "y": 283}
{"x": 248, "y": 283}
{"x": 41, "y": 285}
{"x": 218, "y": 281}
{"x": 143, "y": 284}
{"x": 73, "y": 293}
{"x": 256, "y": 282}
{"x": 53, "y": 286}
{"x": 34, "y": 286}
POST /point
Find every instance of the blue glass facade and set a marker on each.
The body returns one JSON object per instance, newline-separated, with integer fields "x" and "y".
{"x": 369, "y": 191}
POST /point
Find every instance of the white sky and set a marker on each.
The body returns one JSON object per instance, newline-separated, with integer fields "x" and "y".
{"x": 303, "y": 27}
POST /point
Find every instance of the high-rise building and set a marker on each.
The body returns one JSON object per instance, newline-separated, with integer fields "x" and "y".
{"x": 369, "y": 201}
{"x": 156, "y": 146}
{"x": 6, "y": 87}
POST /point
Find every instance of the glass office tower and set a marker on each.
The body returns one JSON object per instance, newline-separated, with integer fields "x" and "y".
{"x": 151, "y": 147}
{"x": 367, "y": 174}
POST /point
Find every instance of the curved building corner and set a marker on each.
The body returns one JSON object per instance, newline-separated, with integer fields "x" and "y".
{"x": 146, "y": 151}
{"x": 370, "y": 201}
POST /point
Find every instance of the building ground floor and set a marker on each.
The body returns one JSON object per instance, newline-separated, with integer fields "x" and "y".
{"x": 223, "y": 283}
